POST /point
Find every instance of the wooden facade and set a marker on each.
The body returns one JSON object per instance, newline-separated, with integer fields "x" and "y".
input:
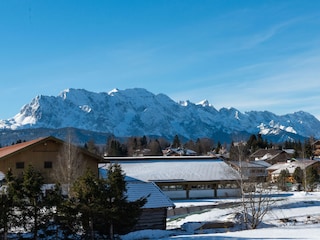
{"x": 271, "y": 156}
{"x": 152, "y": 218}
{"x": 316, "y": 149}
{"x": 43, "y": 154}
{"x": 275, "y": 170}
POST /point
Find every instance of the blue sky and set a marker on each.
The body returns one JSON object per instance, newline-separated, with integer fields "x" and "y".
{"x": 250, "y": 55}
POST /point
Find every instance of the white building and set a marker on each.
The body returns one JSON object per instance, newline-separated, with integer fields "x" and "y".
{"x": 183, "y": 177}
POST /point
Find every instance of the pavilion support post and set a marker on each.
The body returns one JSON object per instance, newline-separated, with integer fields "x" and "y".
{"x": 215, "y": 190}
{"x": 187, "y": 191}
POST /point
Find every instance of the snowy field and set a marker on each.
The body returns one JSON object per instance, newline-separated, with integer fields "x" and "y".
{"x": 294, "y": 215}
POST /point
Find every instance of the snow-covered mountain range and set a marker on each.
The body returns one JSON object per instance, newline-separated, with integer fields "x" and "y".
{"x": 138, "y": 112}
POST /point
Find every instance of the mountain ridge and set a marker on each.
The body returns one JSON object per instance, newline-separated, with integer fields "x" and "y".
{"x": 138, "y": 112}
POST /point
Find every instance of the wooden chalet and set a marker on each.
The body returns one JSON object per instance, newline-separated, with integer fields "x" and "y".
{"x": 271, "y": 156}
{"x": 291, "y": 165}
{"x": 316, "y": 149}
{"x": 252, "y": 170}
{"x": 178, "y": 152}
{"x": 43, "y": 154}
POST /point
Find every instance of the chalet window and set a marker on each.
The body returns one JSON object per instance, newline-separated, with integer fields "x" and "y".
{"x": 47, "y": 164}
{"x": 19, "y": 165}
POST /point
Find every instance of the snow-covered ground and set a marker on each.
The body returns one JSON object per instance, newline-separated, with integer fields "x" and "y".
{"x": 300, "y": 210}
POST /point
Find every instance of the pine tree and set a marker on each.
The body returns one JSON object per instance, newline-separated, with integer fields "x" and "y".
{"x": 115, "y": 149}
{"x": 312, "y": 177}
{"x": 103, "y": 205}
{"x": 218, "y": 148}
{"x": 155, "y": 149}
{"x": 308, "y": 148}
{"x": 91, "y": 147}
{"x": 34, "y": 209}
{"x": 122, "y": 215}
{"x": 7, "y": 205}
{"x": 282, "y": 179}
{"x": 298, "y": 175}
{"x": 252, "y": 143}
{"x": 176, "y": 142}
{"x": 54, "y": 202}
{"x": 143, "y": 142}
{"x": 87, "y": 192}
{"x": 67, "y": 219}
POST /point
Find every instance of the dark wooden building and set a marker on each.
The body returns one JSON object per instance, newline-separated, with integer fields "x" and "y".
{"x": 154, "y": 212}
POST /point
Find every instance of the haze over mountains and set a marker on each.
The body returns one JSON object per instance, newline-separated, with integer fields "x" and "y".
{"x": 138, "y": 112}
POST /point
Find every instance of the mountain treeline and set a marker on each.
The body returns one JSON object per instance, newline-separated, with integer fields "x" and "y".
{"x": 135, "y": 146}
{"x": 148, "y": 146}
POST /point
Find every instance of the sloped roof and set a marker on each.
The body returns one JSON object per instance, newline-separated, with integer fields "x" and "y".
{"x": 184, "y": 169}
{"x": 19, "y": 147}
{"x": 179, "y": 151}
{"x": 9, "y": 150}
{"x": 137, "y": 189}
{"x": 262, "y": 152}
{"x": 252, "y": 164}
{"x": 290, "y": 166}
{"x": 156, "y": 198}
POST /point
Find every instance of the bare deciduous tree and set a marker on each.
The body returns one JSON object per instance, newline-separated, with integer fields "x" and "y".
{"x": 256, "y": 197}
{"x": 69, "y": 165}
{"x": 255, "y": 203}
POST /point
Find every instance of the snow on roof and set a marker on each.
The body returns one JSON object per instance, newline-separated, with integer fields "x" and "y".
{"x": 137, "y": 189}
{"x": 252, "y": 164}
{"x": 290, "y": 166}
{"x": 262, "y": 163}
{"x": 156, "y": 198}
{"x": 191, "y": 169}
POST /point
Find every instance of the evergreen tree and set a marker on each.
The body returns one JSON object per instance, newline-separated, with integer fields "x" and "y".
{"x": 115, "y": 149}
{"x": 7, "y": 205}
{"x": 55, "y": 225}
{"x": 155, "y": 149}
{"x": 86, "y": 191}
{"x": 252, "y": 143}
{"x": 217, "y": 150}
{"x": 122, "y": 215}
{"x": 35, "y": 211}
{"x": 176, "y": 142}
{"x": 308, "y": 148}
{"x": 312, "y": 177}
{"x": 282, "y": 179}
{"x": 143, "y": 142}
{"x": 67, "y": 219}
{"x": 102, "y": 205}
{"x": 91, "y": 147}
{"x": 298, "y": 175}
{"x": 199, "y": 149}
